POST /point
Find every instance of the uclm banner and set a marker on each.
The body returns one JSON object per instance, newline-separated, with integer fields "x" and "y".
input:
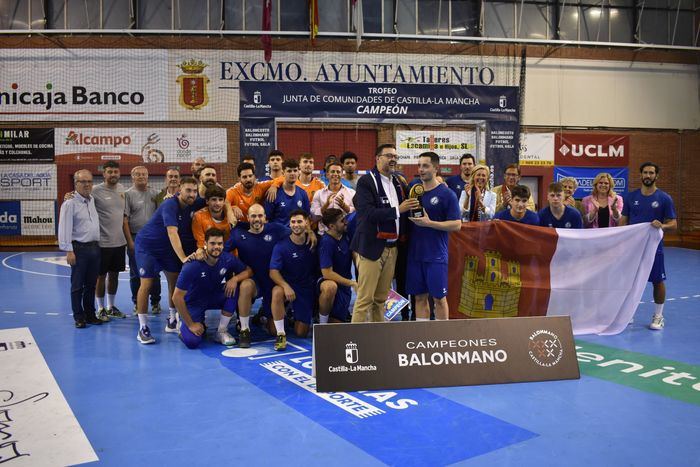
{"x": 591, "y": 150}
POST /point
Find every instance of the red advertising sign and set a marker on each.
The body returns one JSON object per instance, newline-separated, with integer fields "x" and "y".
{"x": 591, "y": 150}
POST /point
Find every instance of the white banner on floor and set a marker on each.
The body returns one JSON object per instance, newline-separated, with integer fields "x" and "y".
{"x": 37, "y": 426}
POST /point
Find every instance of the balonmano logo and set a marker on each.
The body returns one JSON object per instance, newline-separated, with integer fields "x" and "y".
{"x": 545, "y": 348}
{"x": 48, "y": 98}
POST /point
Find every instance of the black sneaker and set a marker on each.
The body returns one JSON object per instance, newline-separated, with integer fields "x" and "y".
{"x": 244, "y": 339}
{"x": 93, "y": 320}
{"x": 80, "y": 324}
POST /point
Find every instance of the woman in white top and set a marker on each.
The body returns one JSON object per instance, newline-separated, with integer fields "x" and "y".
{"x": 484, "y": 203}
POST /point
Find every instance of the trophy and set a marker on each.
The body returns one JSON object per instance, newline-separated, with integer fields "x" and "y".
{"x": 417, "y": 193}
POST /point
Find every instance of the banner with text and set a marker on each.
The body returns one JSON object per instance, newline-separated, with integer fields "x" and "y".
{"x": 537, "y": 149}
{"x": 28, "y": 218}
{"x": 10, "y": 216}
{"x": 28, "y": 181}
{"x": 26, "y": 145}
{"x": 449, "y": 145}
{"x": 257, "y": 137}
{"x": 585, "y": 176}
{"x": 140, "y": 145}
{"x": 502, "y": 142}
{"x": 592, "y": 150}
{"x": 370, "y": 356}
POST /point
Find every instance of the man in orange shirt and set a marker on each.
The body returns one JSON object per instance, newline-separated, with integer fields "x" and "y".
{"x": 248, "y": 191}
{"x": 307, "y": 181}
{"x": 217, "y": 214}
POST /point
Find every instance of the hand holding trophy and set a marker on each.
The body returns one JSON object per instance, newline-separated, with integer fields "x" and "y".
{"x": 417, "y": 194}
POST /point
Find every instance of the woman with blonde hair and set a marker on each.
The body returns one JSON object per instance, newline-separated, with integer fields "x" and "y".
{"x": 477, "y": 202}
{"x": 602, "y": 207}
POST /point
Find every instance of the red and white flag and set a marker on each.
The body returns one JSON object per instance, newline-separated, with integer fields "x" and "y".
{"x": 506, "y": 269}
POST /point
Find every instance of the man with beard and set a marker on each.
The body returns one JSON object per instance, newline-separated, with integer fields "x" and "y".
{"x": 294, "y": 270}
{"x": 289, "y": 198}
{"x": 248, "y": 191}
{"x": 215, "y": 215}
{"x": 457, "y": 183}
{"x": 349, "y": 161}
{"x": 307, "y": 181}
{"x": 196, "y": 167}
{"x": 109, "y": 202}
{"x": 140, "y": 205}
{"x": 207, "y": 178}
{"x": 380, "y": 202}
{"x": 335, "y": 260}
{"x": 199, "y": 289}
{"x": 649, "y": 204}
{"x": 163, "y": 244}
{"x": 335, "y": 195}
{"x": 426, "y": 275}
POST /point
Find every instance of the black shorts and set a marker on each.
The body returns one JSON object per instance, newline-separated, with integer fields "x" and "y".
{"x": 112, "y": 259}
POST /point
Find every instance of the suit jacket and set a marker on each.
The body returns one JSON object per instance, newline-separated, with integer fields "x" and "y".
{"x": 370, "y": 213}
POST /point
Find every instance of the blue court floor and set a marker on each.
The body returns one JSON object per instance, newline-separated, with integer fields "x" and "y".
{"x": 165, "y": 405}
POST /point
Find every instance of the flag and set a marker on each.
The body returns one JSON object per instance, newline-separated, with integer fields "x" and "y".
{"x": 358, "y": 21}
{"x": 313, "y": 20}
{"x": 595, "y": 276}
{"x": 266, "y": 39}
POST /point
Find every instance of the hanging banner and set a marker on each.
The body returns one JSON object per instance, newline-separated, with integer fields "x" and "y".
{"x": 502, "y": 141}
{"x": 449, "y": 145}
{"x": 369, "y": 101}
{"x": 26, "y": 145}
{"x": 140, "y": 145}
{"x": 585, "y": 176}
{"x": 257, "y": 137}
{"x": 591, "y": 150}
{"x": 10, "y": 218}
{"x": 536, "y": 149}
{"x": 28, "y": 181}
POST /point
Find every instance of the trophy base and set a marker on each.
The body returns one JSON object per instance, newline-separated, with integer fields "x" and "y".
{"x": 416, "y": 214}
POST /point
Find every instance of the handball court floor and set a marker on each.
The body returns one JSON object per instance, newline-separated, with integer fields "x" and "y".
{"x": 165, "y": 405}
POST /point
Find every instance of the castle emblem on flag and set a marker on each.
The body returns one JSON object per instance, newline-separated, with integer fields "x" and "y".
{"x": 193, "y": 84}
{"x": 490, "y": 294}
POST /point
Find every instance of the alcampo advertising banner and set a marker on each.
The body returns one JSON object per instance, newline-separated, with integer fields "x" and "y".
{"x": 450, "y": 145}
{"x": 203, "y": 85}
{"x": 140, "y": 145}
{"x": 28, "y": 181}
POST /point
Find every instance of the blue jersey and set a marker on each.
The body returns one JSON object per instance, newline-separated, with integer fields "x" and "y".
{"x": 456, "y": 184}
{"x": 657, "y": 206}
{"x": 427, "y": 244}
{"x": 571, "y": 219}
{"x": 298, "y": 264}
{"x": 530, "y": 218}
{"x": 255, "y": 249}
{"x": 204, "y": 283}
{"x": 335, "y": 254}
{"x": 153, "y": 237}
{"x": 279, "y": 209}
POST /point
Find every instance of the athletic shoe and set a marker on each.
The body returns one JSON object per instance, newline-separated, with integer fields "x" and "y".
{"x": 657, "y": 323}
{"x": 224, "y": 338}
{"x": 281, "y": 342}
{"x": 171, "y": 325}
{"x": 144, "y": 336}
{"x": 115, "y": 313}
{"x": 155, "y": 308}
{"x": 244, "y": 339}
{"x": 102, "y": 315}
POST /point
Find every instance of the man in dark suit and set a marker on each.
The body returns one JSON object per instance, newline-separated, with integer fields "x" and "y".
{"x": 380, "y": 202}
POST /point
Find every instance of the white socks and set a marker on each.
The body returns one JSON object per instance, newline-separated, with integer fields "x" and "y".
{"x": 110, "y": 300}
{"x": 658, "y": 309}
{"x": 322, "y": 319}
{"x": 279, "y": 326}
{"x": 245, "y": 322}
{"x": 143, "y": 320}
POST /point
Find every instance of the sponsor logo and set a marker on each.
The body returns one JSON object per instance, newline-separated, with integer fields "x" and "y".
{"x": 593, "y": 150}
{"x": 655, "y": 204}
{"x": 299, "y": 203}
{"x": 502, "y": 102}
{"x": 78, "y": 95}
{"x": 142, "y": 271}
{"x": 183, "y": 142}
{"x": 544, "y": 348}
{"x": 267, "y": 238}
{"x": 451, "y": 352}
{"x": 434, "y": 200}
{"x": 16, "y": 345}
{"x": 79, "y": 139}
{"x": 222, "y": 271}
{"x": 351, "y": 352}
{"x": 193, "y": 84}
{"x": 25, "y": 180}
{"x": 257, "y": 97}
{"x": 203, "y": 274}
{"x": 7, "y": 218}
{"x": 567, "y": 225}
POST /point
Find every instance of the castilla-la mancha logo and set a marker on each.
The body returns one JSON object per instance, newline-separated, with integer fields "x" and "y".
{"x": 193, "y": 84}
{"x": 351, "y": 352}
{"x": 545, "y": 348}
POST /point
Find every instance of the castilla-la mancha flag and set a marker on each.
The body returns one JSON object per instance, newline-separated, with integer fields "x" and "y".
{"x": 596, "y": 276}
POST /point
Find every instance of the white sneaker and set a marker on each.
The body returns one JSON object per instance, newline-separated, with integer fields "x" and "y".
{"x": 224, "y": 338}
{"x": 657, "y": 323}
{"x": 171, "y": 325}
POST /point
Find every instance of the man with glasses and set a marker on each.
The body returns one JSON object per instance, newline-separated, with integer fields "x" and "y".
{"x": 511, "y": 178}
{"x": 78, "y": 236}
{"x": 380, "y": 201}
